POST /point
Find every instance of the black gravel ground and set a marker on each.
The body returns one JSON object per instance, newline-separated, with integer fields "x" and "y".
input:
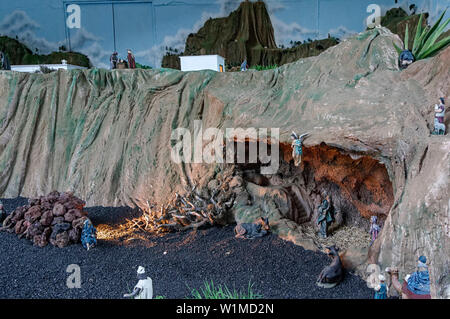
{"x": 278, "y": 268}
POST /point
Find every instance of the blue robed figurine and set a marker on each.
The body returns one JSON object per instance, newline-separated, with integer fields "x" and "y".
{"x": 324, "y": 217}
{"x": 88, "y": 235}
{"x": 381, "y": 289}
{"x": 244, "y": 66}
{"x": 419, "y": 282}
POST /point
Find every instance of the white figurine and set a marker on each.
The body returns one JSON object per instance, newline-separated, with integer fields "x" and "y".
{"x": 144, "y": 287}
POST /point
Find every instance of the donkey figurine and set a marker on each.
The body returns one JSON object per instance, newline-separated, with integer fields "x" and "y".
{"x": 253, "y": 230}
{"x": 332, "y": 274}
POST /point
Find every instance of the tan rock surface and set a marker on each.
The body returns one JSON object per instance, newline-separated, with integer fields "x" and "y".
{"x": 106, "y": 135}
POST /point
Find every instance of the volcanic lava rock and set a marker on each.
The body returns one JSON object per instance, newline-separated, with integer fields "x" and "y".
{"x": 59, "y": 209}
{"x": 55, "y": 218}
{"x": 47, "y": 218}
{"x": 33, "y": 214}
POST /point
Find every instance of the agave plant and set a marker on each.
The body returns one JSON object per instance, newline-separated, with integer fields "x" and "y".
{"x": 425, "y": 39}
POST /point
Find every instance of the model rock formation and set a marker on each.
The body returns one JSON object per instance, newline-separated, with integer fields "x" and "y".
{"x": 57, "y": 218}
{"x": 246, "y": 33}
{"x": 19, "y": 54}
{"x": 106, "y": 135}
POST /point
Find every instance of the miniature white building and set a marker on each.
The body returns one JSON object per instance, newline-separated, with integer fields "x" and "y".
{"x": 202, "y": 62}
{"x": 36, "y": 67}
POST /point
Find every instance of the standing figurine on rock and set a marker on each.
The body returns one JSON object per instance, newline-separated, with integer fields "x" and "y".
{"x": 114, "y": 59}
{"x": 333, "y": 274}
{"x": 374, "y": 228}
{"x": 244, "y": 66}
{"x": 297, "y": 147}
{"x": 381, "y": 289}
{"x": 439, "y": 113}
{"x": 88, "y": 235}
{"x": 4, "y": 62}
{"x": 2, "y": 214}
{"x": 131, "y": 60}
{"x": 144, "y": 287}
{"x": 324, "y": 217}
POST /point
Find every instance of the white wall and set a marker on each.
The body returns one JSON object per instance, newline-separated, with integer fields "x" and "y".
{"x": 35, "y": 67}
{"x": 202, "y": 62}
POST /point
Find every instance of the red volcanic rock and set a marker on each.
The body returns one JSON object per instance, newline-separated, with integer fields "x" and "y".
{"x": 18, "y": 215}
{"x": 35, "y": 201}
{"x": 40, "y": 240}
{"x": 78, "y": 223}
{"x": 19, "y": 228}
{"x": 59, "y": 210}
{"x": 53, "y": 196}
{"x": 74, "y": 235}
{"x": 47, "y": 218}
{"x": 62, "y": 240}
{"x": 57, "y": 218}
{"x": 33, "y": 214}
{"x": 70, "y": 216}
{"x": 35, "y": 229}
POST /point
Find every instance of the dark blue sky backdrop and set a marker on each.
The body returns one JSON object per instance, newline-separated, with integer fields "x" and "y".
{"x": 148, "y": 27}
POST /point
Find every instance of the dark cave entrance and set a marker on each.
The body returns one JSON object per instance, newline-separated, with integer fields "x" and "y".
{"x": 358, "y": 184}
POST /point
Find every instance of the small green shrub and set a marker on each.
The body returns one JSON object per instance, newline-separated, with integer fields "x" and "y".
{"x": 264, "y": 67}
{"x": 210, "y": 291}
{"x": 142, "y": 66}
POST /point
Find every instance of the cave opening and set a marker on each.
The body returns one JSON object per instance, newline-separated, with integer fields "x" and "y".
{"x": 358, "y": 184}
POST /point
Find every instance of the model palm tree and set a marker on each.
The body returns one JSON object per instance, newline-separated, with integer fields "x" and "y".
{"x": 425, "y": 44}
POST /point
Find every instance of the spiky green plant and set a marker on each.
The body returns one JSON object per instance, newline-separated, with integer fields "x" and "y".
{"x": 211, "y": 291}
{"x": 425, "y": 39}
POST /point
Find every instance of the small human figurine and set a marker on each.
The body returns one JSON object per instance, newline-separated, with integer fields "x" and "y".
{"x": 88, "y": 235}
{"x": 439, "y": 113}
{"x": 131, "y": 60}
{"x": 381, "y": 289}
{"x": 297, "y": 147}
{"x": 144, "y": 287}
{"x": 2, "y": 214}
{"x": 253, "y": 230}
{"x": 324, "y": 217}
{"x": 113, "y": 60}
{"x": 405, "y": 59}
{"x": 374, "y": 228}
{"x": 244, "y": 66}
{"x": 418, "y": 283}
{"x": 4, "y": 62}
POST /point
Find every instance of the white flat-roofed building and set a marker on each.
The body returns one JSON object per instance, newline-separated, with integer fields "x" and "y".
{"x": 32, "y": 68}
{"x": 202, "y": 62}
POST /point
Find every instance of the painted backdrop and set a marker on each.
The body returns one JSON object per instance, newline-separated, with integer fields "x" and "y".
{"x": 149, "y": 27}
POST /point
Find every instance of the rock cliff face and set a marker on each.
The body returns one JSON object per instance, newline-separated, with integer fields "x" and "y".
{"x": 19, "y": 54}
{"x": 397, "y": 19}
{"x": 245, "y": 33}
{"x": 107, "y": 136}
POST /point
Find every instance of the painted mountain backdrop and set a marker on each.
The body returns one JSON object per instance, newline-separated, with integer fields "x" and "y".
{"x": 153, "y": 27}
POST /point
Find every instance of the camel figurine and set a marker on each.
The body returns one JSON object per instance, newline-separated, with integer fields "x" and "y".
{"x": 332, "y": 274}
{"x": 402, "y": 288}
{"x": 393, "y": 273}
